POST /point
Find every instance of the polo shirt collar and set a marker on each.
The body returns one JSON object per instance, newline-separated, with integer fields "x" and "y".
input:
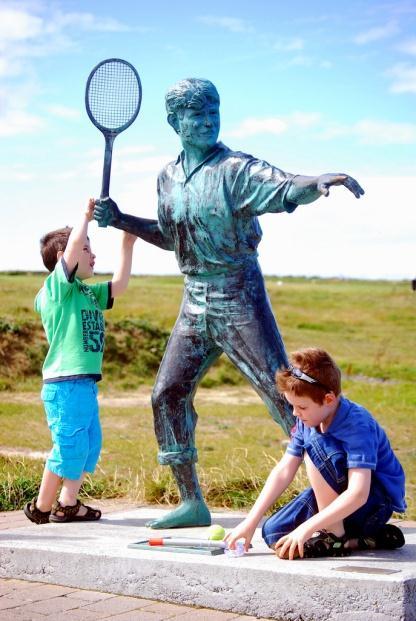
{"x": 215, "y": 150}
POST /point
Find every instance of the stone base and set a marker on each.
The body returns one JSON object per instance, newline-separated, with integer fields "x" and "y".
{"x": 369, "y": 586}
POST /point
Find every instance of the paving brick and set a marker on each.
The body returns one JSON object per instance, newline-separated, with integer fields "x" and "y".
{"x": 247, "y": 618}
{"x": 169, "y": 610}
{"x": 18, "y": 615}
{"x": 5, "y": 589}
{"x": 51, "y": 605}
{"x": 8, "y": 601}
{"x": 206, "y": 614}
{"x": 19, "y": 584}
{"x": 37, "y": 592}
{"x": 117, "y": 605}
{"x": 138, "y": 615}
{"x": 89, "y": 596}
{"x": 78, "y": 614}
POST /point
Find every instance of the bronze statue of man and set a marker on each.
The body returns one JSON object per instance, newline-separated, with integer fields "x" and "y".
{"x": 209, "y": 202}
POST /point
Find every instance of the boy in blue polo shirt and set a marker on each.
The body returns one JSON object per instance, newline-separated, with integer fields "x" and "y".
{"x": 72, "y": 317}
{"x": 356, "y": 481}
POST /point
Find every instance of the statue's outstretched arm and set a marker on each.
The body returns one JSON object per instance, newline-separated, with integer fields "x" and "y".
{"x": 107, "y": 213}
{"x": 307, "y": 189}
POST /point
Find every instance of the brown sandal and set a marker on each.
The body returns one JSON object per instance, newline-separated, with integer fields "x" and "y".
{"x": 70, "y": 513}
{"x": 34, "y": 514}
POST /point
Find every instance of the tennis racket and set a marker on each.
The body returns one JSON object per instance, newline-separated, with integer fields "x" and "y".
{"x": 113, "y": 96}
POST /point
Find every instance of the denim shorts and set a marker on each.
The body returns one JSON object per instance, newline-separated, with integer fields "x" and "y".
{"x": 329, "y": 458}
{"x": 71, "y": 408}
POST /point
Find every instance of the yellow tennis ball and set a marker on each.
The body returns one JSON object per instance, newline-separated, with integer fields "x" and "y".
{"x": 216, "y": 532}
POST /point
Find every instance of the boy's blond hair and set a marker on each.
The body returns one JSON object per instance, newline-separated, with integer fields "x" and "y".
{"x": 318, "y": 365}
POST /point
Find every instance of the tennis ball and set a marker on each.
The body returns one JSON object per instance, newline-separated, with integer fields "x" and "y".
{"x": 216, "y": 532}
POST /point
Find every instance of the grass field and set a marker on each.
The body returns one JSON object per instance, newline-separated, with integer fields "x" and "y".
{"x": 367, "y": 326}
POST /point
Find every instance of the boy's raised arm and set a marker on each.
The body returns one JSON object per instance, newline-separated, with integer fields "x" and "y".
{"x": 107, "y": 213}
{"x": 121, "y": 276}
{"x": 278, "y": 480}
{"x": 78, "y": 238}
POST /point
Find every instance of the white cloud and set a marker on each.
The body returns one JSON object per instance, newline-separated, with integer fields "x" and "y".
{"x": 85, "y": 21}
{"x": 18, "y": 25}
{"x": 252, "y": 127}
{"x": 233, "y": 24}
{"x": 16, "y": 173}
{"x": 366, "y": 238}
{"x": 143, "y": 165}
{"x": 272, "y": 125}
{"x": 124, "y": 166}
{"x": 377, "y": 33}
{"x": 301, "y": 60}
{"x": 64, "y": 112}
{"x": 385, "y": 132}
{"x": 15, "y": 122}
{"x": 374, "y": 132}
{"x": 26, "y": 34}
{"x": 29, "y": 31}
{"x": 364, "y": 131}
{"x": 135, "y": 149}
{"x": 408, "y": 47}
{"x": 404, "y": 78}
{"x": 289, "y": 45}
{"x": 304, "y": 119}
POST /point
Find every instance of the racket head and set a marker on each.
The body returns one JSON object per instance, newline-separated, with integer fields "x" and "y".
{"x": 113, "y": 95}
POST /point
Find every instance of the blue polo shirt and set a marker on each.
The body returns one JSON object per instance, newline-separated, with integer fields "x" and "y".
{"x": 210, "y": 216}
{"x": 365, "y": 444}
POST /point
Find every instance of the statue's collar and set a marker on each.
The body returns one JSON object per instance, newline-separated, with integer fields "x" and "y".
{"x": 215, "y": 150}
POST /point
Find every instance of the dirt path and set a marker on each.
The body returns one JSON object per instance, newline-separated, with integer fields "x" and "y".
{"x": 243, "y": 395}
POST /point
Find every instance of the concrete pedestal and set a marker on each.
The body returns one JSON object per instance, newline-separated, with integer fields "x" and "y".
{"x": 369, "y": 586}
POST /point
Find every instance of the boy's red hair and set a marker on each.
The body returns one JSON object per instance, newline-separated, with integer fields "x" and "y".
{"x": 319, "y": 365}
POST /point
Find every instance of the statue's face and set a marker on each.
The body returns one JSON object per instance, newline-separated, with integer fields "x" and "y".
{"x": 199, "y": 127}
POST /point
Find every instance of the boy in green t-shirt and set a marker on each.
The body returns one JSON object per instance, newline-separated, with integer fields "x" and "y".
{"x": 72, "y": 317}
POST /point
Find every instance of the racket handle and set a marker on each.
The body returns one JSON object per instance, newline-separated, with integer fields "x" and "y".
{"x": 108, "y": 154}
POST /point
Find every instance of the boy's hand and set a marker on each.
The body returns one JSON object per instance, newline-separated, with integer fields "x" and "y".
{"x": 90, "y": 209}
{"x": 245, "y": 531}
{"x": 291, "y": 546}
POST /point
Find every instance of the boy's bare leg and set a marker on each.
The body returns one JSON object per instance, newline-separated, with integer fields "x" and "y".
{"x": 324, "y": 494}
{"x": 48, "y": 490}
{"x": 69, "y": 494}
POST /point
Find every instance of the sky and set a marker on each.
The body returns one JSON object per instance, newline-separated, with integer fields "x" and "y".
{"x": 311, "y": 87}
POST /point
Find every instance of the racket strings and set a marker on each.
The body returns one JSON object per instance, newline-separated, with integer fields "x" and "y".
{"x": 114, "y": 95}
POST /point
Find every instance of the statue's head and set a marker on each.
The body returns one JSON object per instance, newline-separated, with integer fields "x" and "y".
{"x": 190, "y": 93}
{"x": 193, "y": 112}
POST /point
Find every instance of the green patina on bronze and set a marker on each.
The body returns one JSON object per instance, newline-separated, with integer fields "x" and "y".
{"x": 210, "y": 199}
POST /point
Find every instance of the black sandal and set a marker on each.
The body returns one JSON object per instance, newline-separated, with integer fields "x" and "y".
{"x": 70, "y": 513}
{"x": 389, "y": 537}
{"x": 34, "y": 514}
{"x": 323, "y": 544}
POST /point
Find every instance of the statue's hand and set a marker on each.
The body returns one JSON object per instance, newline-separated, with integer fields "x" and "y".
{"x": 326, "y": 181}
{"x": 106, "y": 212}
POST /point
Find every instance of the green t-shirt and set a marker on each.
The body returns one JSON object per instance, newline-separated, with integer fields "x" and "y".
{"x": 74, "y": 324}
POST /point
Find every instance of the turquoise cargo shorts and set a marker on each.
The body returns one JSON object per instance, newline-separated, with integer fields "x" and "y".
{"x": 71, "y": 408}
